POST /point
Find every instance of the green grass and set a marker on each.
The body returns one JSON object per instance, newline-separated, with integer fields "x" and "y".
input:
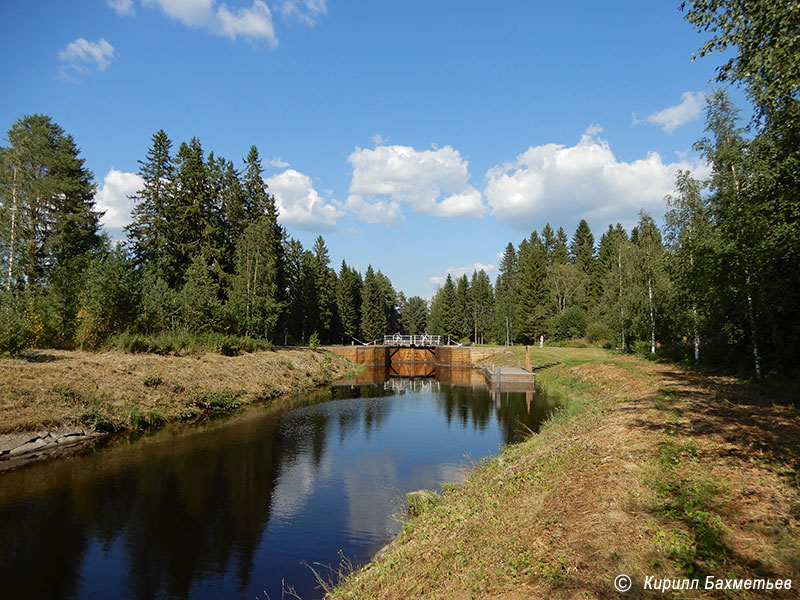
{"x": 182, "y": 342}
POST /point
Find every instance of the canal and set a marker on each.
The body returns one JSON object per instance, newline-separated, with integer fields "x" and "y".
{"x": 244, "y": 507}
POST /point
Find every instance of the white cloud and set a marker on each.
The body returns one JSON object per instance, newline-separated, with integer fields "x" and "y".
{"x": 432, "y": 182}
{"x": 457, "y": 272}
{"x": 113, "y": 198}
{"x": 254, "y": 22}
{"x": 379, "y": 140}
{"x": 556, "y": 183}
{"x": 123, "y": 7}
{"x": 672, "y": 117}
{"x": 277, "y": 162}
{"x": 307, "y": 11}
{"x": 299, "y": 204}
{"x": 81, "y": 54}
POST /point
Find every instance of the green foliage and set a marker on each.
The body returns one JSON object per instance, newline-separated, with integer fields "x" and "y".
{"x": 200, "y": 307}
{"x": 444, "y": 318}
{"x": 348, "y": 297}
{"x": 14, "y": 334}
{"x": 374, "y": 323}
{"x": 414, "y": 316}
{"x": 313, "y": 341}
{"x": 596, "y": 332}
{"x": 183, "y": 342}
{"x": 252, "y": 307}
{"x": 569, "y": 324}
{"x": 109, "y": 300}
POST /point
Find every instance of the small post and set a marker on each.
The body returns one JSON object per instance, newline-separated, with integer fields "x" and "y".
{"x": 527, "y": 357}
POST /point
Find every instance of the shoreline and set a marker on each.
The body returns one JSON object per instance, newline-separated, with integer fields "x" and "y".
{"x": 647, "y": 470}
{"x": 55, "y": 403}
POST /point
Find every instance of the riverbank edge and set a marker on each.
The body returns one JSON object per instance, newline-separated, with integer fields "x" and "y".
{"x": 88, "y": 414}
{"x": 638, "y": 473}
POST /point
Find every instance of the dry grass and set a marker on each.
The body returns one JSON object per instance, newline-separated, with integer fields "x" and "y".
{"x": 118, "y": 391}
{"x": 648, "y": 470}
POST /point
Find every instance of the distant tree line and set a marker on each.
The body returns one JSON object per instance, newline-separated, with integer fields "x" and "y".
{"x": 206, "y": 254}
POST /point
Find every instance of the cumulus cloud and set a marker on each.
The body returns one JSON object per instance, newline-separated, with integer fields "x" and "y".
{"x": 277, "y": 162}
{"x": 79, "y": 56}
{"x": 113, "y": 198}
{"x": 122, "y": 7}
{"x": 564, "y": 184}
{"x": 457, "y": 272}
{"x": 299, "y": 204}
{"x": 672, "y": 117}
{"x": 254, "y": 22}
{"x": 431, "y": 182}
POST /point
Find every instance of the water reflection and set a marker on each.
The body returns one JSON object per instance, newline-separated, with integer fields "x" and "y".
{"x": 233, "y": 508}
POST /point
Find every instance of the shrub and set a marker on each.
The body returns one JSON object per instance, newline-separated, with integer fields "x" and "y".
{"x": 313, "y": 341}
{"x": 14, "y": 334}
{"x": 597, "y": 332}
{"x": 569, "y": 324}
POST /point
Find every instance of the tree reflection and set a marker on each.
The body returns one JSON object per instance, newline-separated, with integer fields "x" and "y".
{"x": 185, "y": 507}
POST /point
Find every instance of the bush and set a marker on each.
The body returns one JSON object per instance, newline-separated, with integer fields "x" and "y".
{"x": 569, "y": 324}
{"x": 183, "y": 342}
{"x": 14, "y": 334}
{"x": 313, "y": 341}
{"x": 597, "y": 332}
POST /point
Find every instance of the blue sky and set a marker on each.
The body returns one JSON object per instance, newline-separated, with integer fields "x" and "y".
{"x": 420, "y": 137}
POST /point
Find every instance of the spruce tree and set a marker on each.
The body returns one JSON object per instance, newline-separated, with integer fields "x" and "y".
{"x": 52, "y": 225}
{"x": 414, "y": 316}
{"x": 253, "y": 303}
{"x": 152, "y": 218}
{"x": 532, "y": 305}
{"x": 373, "y": 313}
{"x": 506, "y": 296}
{"x": 348, "y": 297}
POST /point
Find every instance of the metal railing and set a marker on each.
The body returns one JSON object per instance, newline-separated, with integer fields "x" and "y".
{"x": 412, "y": 340}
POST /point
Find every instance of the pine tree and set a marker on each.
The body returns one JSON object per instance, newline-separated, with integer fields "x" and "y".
{"x": 200, "y": 307}
{"x": 464, "y": 317}
{"x": 152, "y": 219}
{"x": 196, "y": 230}
{"x": 325, "y": 285}
{"x": 481, "y": 306}
{"x": 253, "y": 303}
{"x": 348, "y": 297}
{"x": 373, "y": 313}
{"x": 506, "y": 296}
{"x": 444, "y": 316}
{"x": 532, "y": 308}
{"x": 550, "y": 241}
{"x": 561, "y": 249}
{"x": 52, "y": 225}
{"x": 414, "y": 316}
{"x": 582, "y": 254}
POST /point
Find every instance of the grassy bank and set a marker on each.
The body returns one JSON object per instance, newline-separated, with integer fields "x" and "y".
{"x": 118, "y": 391}
{"x": 647, "y": 470}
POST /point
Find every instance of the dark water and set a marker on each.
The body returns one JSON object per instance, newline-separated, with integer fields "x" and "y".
{"x": 237, "y": 508}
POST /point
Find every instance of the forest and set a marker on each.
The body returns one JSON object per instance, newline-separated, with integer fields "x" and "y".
{"x": 207, "y": 262}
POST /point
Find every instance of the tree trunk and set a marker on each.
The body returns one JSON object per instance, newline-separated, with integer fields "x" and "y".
{"x": 696, "y": 340}
{"x": 752, "y": 319}
{"x": 652, "y": 317}
{"x": 13, "y": 230}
